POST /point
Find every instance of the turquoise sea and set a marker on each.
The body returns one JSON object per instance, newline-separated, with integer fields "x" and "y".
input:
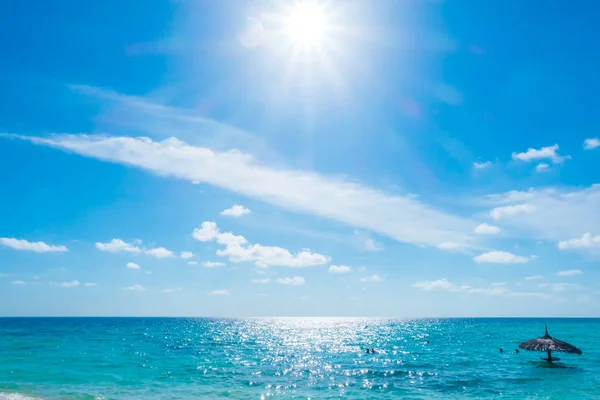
{"x": 184, "y": 358}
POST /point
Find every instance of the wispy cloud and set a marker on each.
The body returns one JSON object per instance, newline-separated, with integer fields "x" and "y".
{"x": 554, "y": 213}
{"x": 339, "y": 269}
{"x": 262, "y": 256}
{"x": 261, "y": 281}
{"x": 192, "y": 262}
{"x": 439, "y": 284}
{"x": 533, "y": 278}
{"x": 366, "y": 242}
{"x": 171, "y": 290}
{"x": 494, "y": 289}
{"x": 132, "y": 265}
{"x": 559, "y": 287}
{"x": 402, "y": 218}
{"x": 117, "y": 246}
{"x": 372, "y": 279}
{"x": 160, "y": 252}
{"x": 500, "y": 257}
{"x": 236, "y": 211}
{"x": 136, "y": 288}
{"x": 542, "y": 167}
{"x": 485, "y": 229}
{"x": 38, "y": 247}
{"x": 18, "y": 282}
{"x": 212, "y": 264}
{"x": 591, "y": 143}
{"x": 584, "y": 242}
{"x": 508, "y": 211}
{"x": 454, "y": 246}
{"x": 70, "y": 284}
{"x": 482, "y": 165}
{"x": 570, "y": 272}
{"x": 90, "y": 284}
{"x": 219, "y": 292}
{"x": 186, "y": 254}
{"x": 545, "y": 153}
{"x": 295, "y": 281}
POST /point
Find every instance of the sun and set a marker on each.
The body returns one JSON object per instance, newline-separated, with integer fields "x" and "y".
{"x": 306, "y": 24}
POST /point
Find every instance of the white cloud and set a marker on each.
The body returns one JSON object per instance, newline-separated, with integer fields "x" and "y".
{"x": 485, "y": 229}
{"x": 366, "y": 242}
{"x": 160, "y": 252}
{"x": 482, "y": 165}
{"x": 220, "y": 292}
{"x": 372, "y": 278}
{"x": 509, "y": 211}
{"x": 371, "y": 245}
{"x": 570, "y": 272}
{"x": 339, "y": 269}
{"x": 586, "y": 241}
{"x": 542, "y": 167}
{"x": 452, "y": 246}
{"x": 70, "y": 284}
{"x": 261, "y": 281}
{"x": 18, "y": 282}
{"x": 402, "y": 218}
{"x": 495, "y": 289}
{"x": 440, "y": 284}
{"x": 117, "y": 246}
{"x": 510, "y": 197}
{"x": 132, "y": 265}
{"x": 38, "y": 247}
{"x": 236, "y": 211}
{"x": 559, "y": 287}
{"x": 186, "y": 254}
{"x": 560, "y": 212}
{"x": 295, "y": 281}
{"x": 136, "y": 287}
{"x": 533, "y": 278}
{"x": 500, "y": 257}
{"x": 262, "y": 256}
{"x": 548, "y": 152}
{"x": 212, "y": 264}
{"x": 90, "y": 284}
{"x": 591, "y": 143}
{"x": 207, "y": 231}
{"x": 192, "y": 262}
{"x": 171, "y": 290}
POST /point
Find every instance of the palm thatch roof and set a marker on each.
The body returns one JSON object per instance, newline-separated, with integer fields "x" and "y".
{"x": 548, "y": 343}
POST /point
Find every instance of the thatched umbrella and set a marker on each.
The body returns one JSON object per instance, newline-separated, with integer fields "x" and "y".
{"x": 549, "y": 344}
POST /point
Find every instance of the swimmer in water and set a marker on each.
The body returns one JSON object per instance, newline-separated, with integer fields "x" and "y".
{"x": 501, "y": 350}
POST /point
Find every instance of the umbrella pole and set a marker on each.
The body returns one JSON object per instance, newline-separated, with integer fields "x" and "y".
{"x": 549, "y": 356}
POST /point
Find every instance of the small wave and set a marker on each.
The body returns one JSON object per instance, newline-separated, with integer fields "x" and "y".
{"x": 16, "y": 396}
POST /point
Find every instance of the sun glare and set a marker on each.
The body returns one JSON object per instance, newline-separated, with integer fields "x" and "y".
{"x": 306, "y": 24}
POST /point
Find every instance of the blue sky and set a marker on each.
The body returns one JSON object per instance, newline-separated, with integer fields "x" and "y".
{"x": 309, "y": 158}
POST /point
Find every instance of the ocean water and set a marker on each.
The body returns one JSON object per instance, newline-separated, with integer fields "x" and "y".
{"x": 295, "y": 358}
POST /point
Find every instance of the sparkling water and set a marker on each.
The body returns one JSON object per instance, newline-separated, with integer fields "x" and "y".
{"x": 177, "y": 358}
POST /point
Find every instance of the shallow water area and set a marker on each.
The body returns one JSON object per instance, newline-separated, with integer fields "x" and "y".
{"x": 180, "y": 358}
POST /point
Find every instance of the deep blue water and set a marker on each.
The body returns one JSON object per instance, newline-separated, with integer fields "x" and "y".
{"x": 177, "y": 358}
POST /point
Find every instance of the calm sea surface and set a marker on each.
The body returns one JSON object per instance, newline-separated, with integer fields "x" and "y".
{"x": 177, "y": 358}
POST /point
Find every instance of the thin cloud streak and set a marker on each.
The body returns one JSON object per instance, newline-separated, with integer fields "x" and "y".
{"x": 402, "y": 218}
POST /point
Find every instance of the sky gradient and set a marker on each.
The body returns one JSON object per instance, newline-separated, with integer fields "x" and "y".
{"x": 308, "y": 158}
